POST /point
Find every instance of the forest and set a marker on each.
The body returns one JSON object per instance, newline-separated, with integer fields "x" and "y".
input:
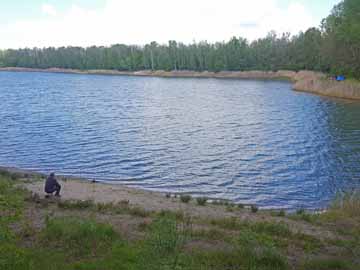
{"x": 333, "y": 47}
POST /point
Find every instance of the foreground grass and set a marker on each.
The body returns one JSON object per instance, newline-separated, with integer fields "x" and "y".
{"x": 168, "y": 240}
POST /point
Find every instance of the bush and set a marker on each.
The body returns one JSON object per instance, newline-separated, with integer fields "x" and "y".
{"x": 300, "y": 211}
{"x": 201, "y": 201}
{"x": 254, "y": 208}
{"x": 185, "y": 198}
{"x": 240, "y": 205}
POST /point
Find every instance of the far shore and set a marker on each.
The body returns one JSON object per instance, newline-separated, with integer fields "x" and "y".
{"x": 305, "y": 81}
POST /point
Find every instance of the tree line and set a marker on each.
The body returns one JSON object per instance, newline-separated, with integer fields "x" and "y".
{"x": 334, "y": 47}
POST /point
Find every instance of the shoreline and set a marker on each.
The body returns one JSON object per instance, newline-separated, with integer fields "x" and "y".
{"x": 303, "y": 81}
{"x": 78, "y": 188}
{"x": 83, "y": 189}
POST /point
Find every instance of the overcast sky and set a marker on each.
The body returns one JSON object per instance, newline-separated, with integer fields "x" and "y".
{"x": 42, "y": 23}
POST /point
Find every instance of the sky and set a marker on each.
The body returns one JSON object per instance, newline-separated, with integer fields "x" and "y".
{"x": 44, "y": 23}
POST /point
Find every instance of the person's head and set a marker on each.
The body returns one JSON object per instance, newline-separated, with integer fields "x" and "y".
{"x": 52, "y": 174}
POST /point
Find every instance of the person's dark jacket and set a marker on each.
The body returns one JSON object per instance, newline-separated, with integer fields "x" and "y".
{"x": 50, "y": 184}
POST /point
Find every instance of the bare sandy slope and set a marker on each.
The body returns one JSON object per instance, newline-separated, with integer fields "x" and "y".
{"x": 83, "y": 189}
{"x": 74, "y": 189}
{"x": 151, "y": 201}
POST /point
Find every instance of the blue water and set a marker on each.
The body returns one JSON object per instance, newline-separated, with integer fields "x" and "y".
{"x": 244, "y": 140}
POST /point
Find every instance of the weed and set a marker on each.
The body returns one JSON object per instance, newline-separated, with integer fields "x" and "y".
{"x": 163, "y": 245}
{"x": 137, "y": 211}
{"x": 254, "y": 208}
{"x": 347, "y": 204}
{"x": 210, "y": 234}
{"x": 78, "y": 236}
{"x": 103, "y": 207}
{"x": 75, "y": 204}
{"x": 27, "y": 230}
{"x": 179, "y": 215}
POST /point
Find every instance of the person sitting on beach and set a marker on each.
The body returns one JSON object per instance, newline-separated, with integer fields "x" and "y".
{"x": 52, "y": 185}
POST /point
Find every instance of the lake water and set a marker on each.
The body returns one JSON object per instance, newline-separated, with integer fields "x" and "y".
{"x": 244, "y": 140}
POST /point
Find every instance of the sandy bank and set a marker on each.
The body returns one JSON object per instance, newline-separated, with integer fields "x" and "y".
{"x": 161, "y": 73}
{"x": 83, "y": 189}
{"x": 319, "y": 83}
{"x": 305, "y": 81}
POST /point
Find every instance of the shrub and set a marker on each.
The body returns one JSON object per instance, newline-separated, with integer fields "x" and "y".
{"x": 240, "y": 205}
{"x": 300, "y": 211}
{"x": 185, "y": 198}
{"x": 254, "y": 208}
{"x": 201, "y": 201}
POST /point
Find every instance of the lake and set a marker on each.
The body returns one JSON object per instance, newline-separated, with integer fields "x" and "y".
{"x": 245, "y": 140}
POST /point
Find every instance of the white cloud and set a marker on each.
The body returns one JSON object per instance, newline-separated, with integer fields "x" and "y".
{"x": 142, "y": 21}
{"x": 48, "y": 9}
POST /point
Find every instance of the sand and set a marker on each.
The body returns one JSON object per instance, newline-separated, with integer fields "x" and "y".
{"x": 305, "y": 81}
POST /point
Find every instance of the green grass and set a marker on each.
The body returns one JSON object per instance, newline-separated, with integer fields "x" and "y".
{"x": 278, "y": 229}
{"x": 211, "y": 234}
{"x": 327, "y": 264}
{"x": 247, "y": 256}
{"x": 84, "y": 238}
{"x": 170, "y": 240}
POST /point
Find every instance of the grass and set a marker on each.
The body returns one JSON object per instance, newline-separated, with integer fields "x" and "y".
{"x": 84, "y": 238}
{"x": 346, "y": 205}
{"x": 275, "y": 229}
{"x": 326, "y": 264}
{"x": 169, "y": 240}
{"x": 76, "y": 204}
{"x": 121, "y": 207}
